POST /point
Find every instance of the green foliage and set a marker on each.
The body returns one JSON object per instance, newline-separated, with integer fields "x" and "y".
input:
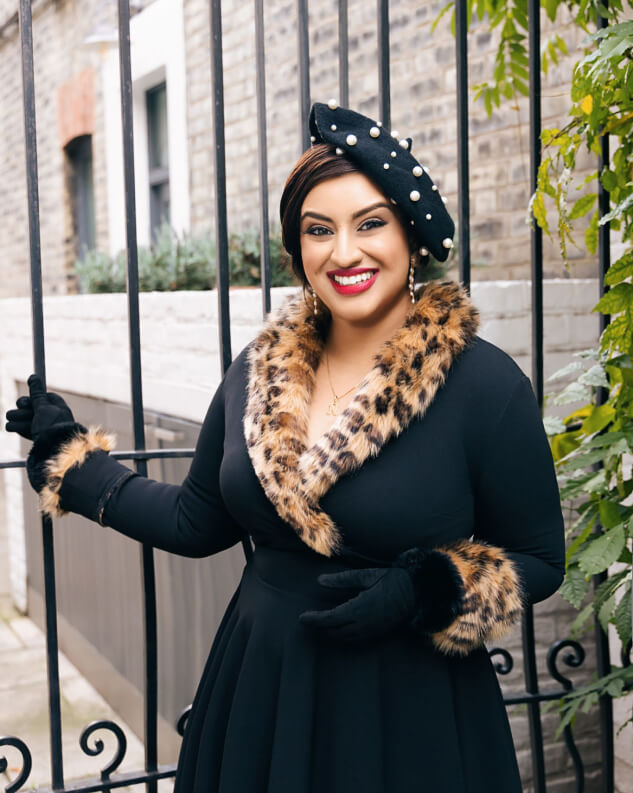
{"x": 592, "y": 446}
{"x": 175, "y": 262}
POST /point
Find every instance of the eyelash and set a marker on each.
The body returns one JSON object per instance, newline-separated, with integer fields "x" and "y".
{"x": 317, "y": 231}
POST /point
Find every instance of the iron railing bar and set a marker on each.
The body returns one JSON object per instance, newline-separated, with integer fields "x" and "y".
{"x": 463, "y": 176}
{"x": 264, "y": 234}
{"x": 384, "y": 73}
{"x": 147, "y": 554}
{"x": 343, "y": 53}
{"x": 122, "y": 780}
{"x": 25, "y": 22}
{"x": 530, "y": 672}
{"x": 603, "y": 661}
{"x": 303, "y": 56}
{"x": 221, "y": 227}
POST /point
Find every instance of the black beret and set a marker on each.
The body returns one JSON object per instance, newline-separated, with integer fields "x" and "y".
{"x": 388, "y": 162}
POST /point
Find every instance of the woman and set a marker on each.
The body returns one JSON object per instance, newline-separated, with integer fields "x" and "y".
{"x": 392, "y": 470}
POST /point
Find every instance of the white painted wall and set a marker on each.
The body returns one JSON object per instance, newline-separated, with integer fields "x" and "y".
{"x": 157, "y": 52}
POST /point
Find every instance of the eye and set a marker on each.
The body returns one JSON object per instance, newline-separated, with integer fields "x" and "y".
{"x": 317, "y": 231}
{"x": 372, "y": 223}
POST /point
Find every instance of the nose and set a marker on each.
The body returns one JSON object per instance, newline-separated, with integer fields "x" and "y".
{"x": 345, "y": 251}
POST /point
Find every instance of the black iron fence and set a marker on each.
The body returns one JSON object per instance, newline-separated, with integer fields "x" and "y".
{"x": 563, "y": 652}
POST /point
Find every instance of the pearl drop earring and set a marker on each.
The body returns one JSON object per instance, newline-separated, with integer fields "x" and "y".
{"x": 315, "y": 309}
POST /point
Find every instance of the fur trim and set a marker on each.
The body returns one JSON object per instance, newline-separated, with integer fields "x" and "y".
{"x": 408, "y": 371}
{"x": 72, "y": 452}
{"x": 493, "y": 597}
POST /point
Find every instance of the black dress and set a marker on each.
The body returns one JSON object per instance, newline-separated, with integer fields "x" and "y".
{"x": 278, "y": 709}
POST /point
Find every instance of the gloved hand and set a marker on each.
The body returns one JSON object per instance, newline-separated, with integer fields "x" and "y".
{"x": 39, "y": 412}
{"x": 386, "y": 599}
{"x": 422, "y": 589}
{"x": 45, "y": 418}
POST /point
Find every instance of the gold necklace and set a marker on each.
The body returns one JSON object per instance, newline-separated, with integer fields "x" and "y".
{"x": 331, "y": 408}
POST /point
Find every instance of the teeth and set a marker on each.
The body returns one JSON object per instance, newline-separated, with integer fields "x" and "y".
{"x": 348, "y": 280}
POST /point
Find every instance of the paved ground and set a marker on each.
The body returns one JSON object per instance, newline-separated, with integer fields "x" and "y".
{"x": 24, "y": 708}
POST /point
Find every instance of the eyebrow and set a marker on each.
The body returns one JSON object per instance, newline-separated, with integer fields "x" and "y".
{"x": 354, "y": 216}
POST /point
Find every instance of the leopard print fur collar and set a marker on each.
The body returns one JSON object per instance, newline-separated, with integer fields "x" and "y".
{"x": 408, "y": 371}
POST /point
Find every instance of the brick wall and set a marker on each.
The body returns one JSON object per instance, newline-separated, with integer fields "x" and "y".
{"x": 423, "y": 106}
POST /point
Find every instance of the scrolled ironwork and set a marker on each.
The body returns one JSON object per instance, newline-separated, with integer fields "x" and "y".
{"x": 182, "y": 721}
{"x": 505, "y": 667}
{"x": 27, "y": 762}
{"x": 573, "y": 659}
{"x": 98, "y": 747}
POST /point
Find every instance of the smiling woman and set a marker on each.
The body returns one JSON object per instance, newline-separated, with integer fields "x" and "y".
{"x": 366, "y": 441}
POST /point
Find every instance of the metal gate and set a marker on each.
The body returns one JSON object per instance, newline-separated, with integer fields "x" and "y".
{"x": 567, "y": 652}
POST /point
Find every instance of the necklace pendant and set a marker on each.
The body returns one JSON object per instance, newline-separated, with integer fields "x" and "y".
{"x": 331, "y": 408}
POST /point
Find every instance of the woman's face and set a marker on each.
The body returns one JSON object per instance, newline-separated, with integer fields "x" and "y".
{"x": 354, "y": 249}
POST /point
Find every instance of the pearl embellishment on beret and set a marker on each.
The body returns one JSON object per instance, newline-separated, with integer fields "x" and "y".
{"x": 404, "y": 143}
{"x": 395, "y": 134}
{"x": 332, "y": 104}
{"x": 393, "y": 154}
{"x": 339, "y": 151}
{"x": 333, "y": 127}
{"x": 417, "y": 171}
{"x": 434, "y": 187}
{"x": 379, "y": 123}
{"x": 312, "y": 139}
{"x": 386, "y": 166}
{"x": 428, "y": 216}
{"x": 414, "y": 195}
{"x": 447, "y": 242}
{"x": 351, "y": 140}
{"x": 424, "y": 251}
{"x": 374, "y": 132}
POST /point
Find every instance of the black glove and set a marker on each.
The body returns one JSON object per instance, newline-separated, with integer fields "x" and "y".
{"x": 46, "y": 419}
{"x": 422, "y": 588}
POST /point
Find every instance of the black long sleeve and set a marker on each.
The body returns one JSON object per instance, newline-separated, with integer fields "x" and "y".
{"x": 188, "y": 519}
{"x": 517, "y": 500}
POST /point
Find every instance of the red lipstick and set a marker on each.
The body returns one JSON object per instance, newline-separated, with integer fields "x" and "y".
{"x": 352, "y": 289}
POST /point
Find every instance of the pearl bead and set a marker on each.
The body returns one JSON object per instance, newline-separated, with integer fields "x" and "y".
{"x": 351, "y": 140}
{"x": 332, "y": 104}
{"x": 395, "y": 134}
{"x": 412, "y": 222}
{"x": 404, "y": 143}
{"x": 447, "y": 242}
{"x": 339, "y": 151}
{"x": 374, "y": 132}
{"x": 424, "y": 251}
{"x": 428, "y": 216}
{"x": 312, "y": 139}
{"x": 393, "y": 154}
{"x": 414, "y": 195}
{"x": 393, "y": 201}
{"x": 434, "y": 187}
{"x": 386, "y": 166}
{"x": 417, "y": 171}
{"x": 379, "y": 123}
{"x": 333, "y": 127}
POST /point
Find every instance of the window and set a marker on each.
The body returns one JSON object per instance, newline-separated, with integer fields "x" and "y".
{"x": 156, "y": 104}
{"x": 79, "y": 159}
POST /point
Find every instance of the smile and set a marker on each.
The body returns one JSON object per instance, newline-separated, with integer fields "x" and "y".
{"x": 352, "y": 282}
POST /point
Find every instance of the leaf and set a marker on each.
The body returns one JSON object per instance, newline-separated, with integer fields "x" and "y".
{"x": 570, "y": 368}
{"x": 615, "y": 300}
{"x": 620, "y": 269}
{"x": 600, "y": 417}
{"x": 618, "y": 210}
{"x": 610, "y": 514}
{"x": 574, "y": 587}
{"x": 591, "y": 233}
{"x": 577, "y": 626}
{"x": 595, "y": 376}
{"x": 553, "y": 425}
{"x": 583, "y": 205}
{"x": 622, "y": 616}
{"x": 574, "y": 392}
{"x": 602, "y": 552}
